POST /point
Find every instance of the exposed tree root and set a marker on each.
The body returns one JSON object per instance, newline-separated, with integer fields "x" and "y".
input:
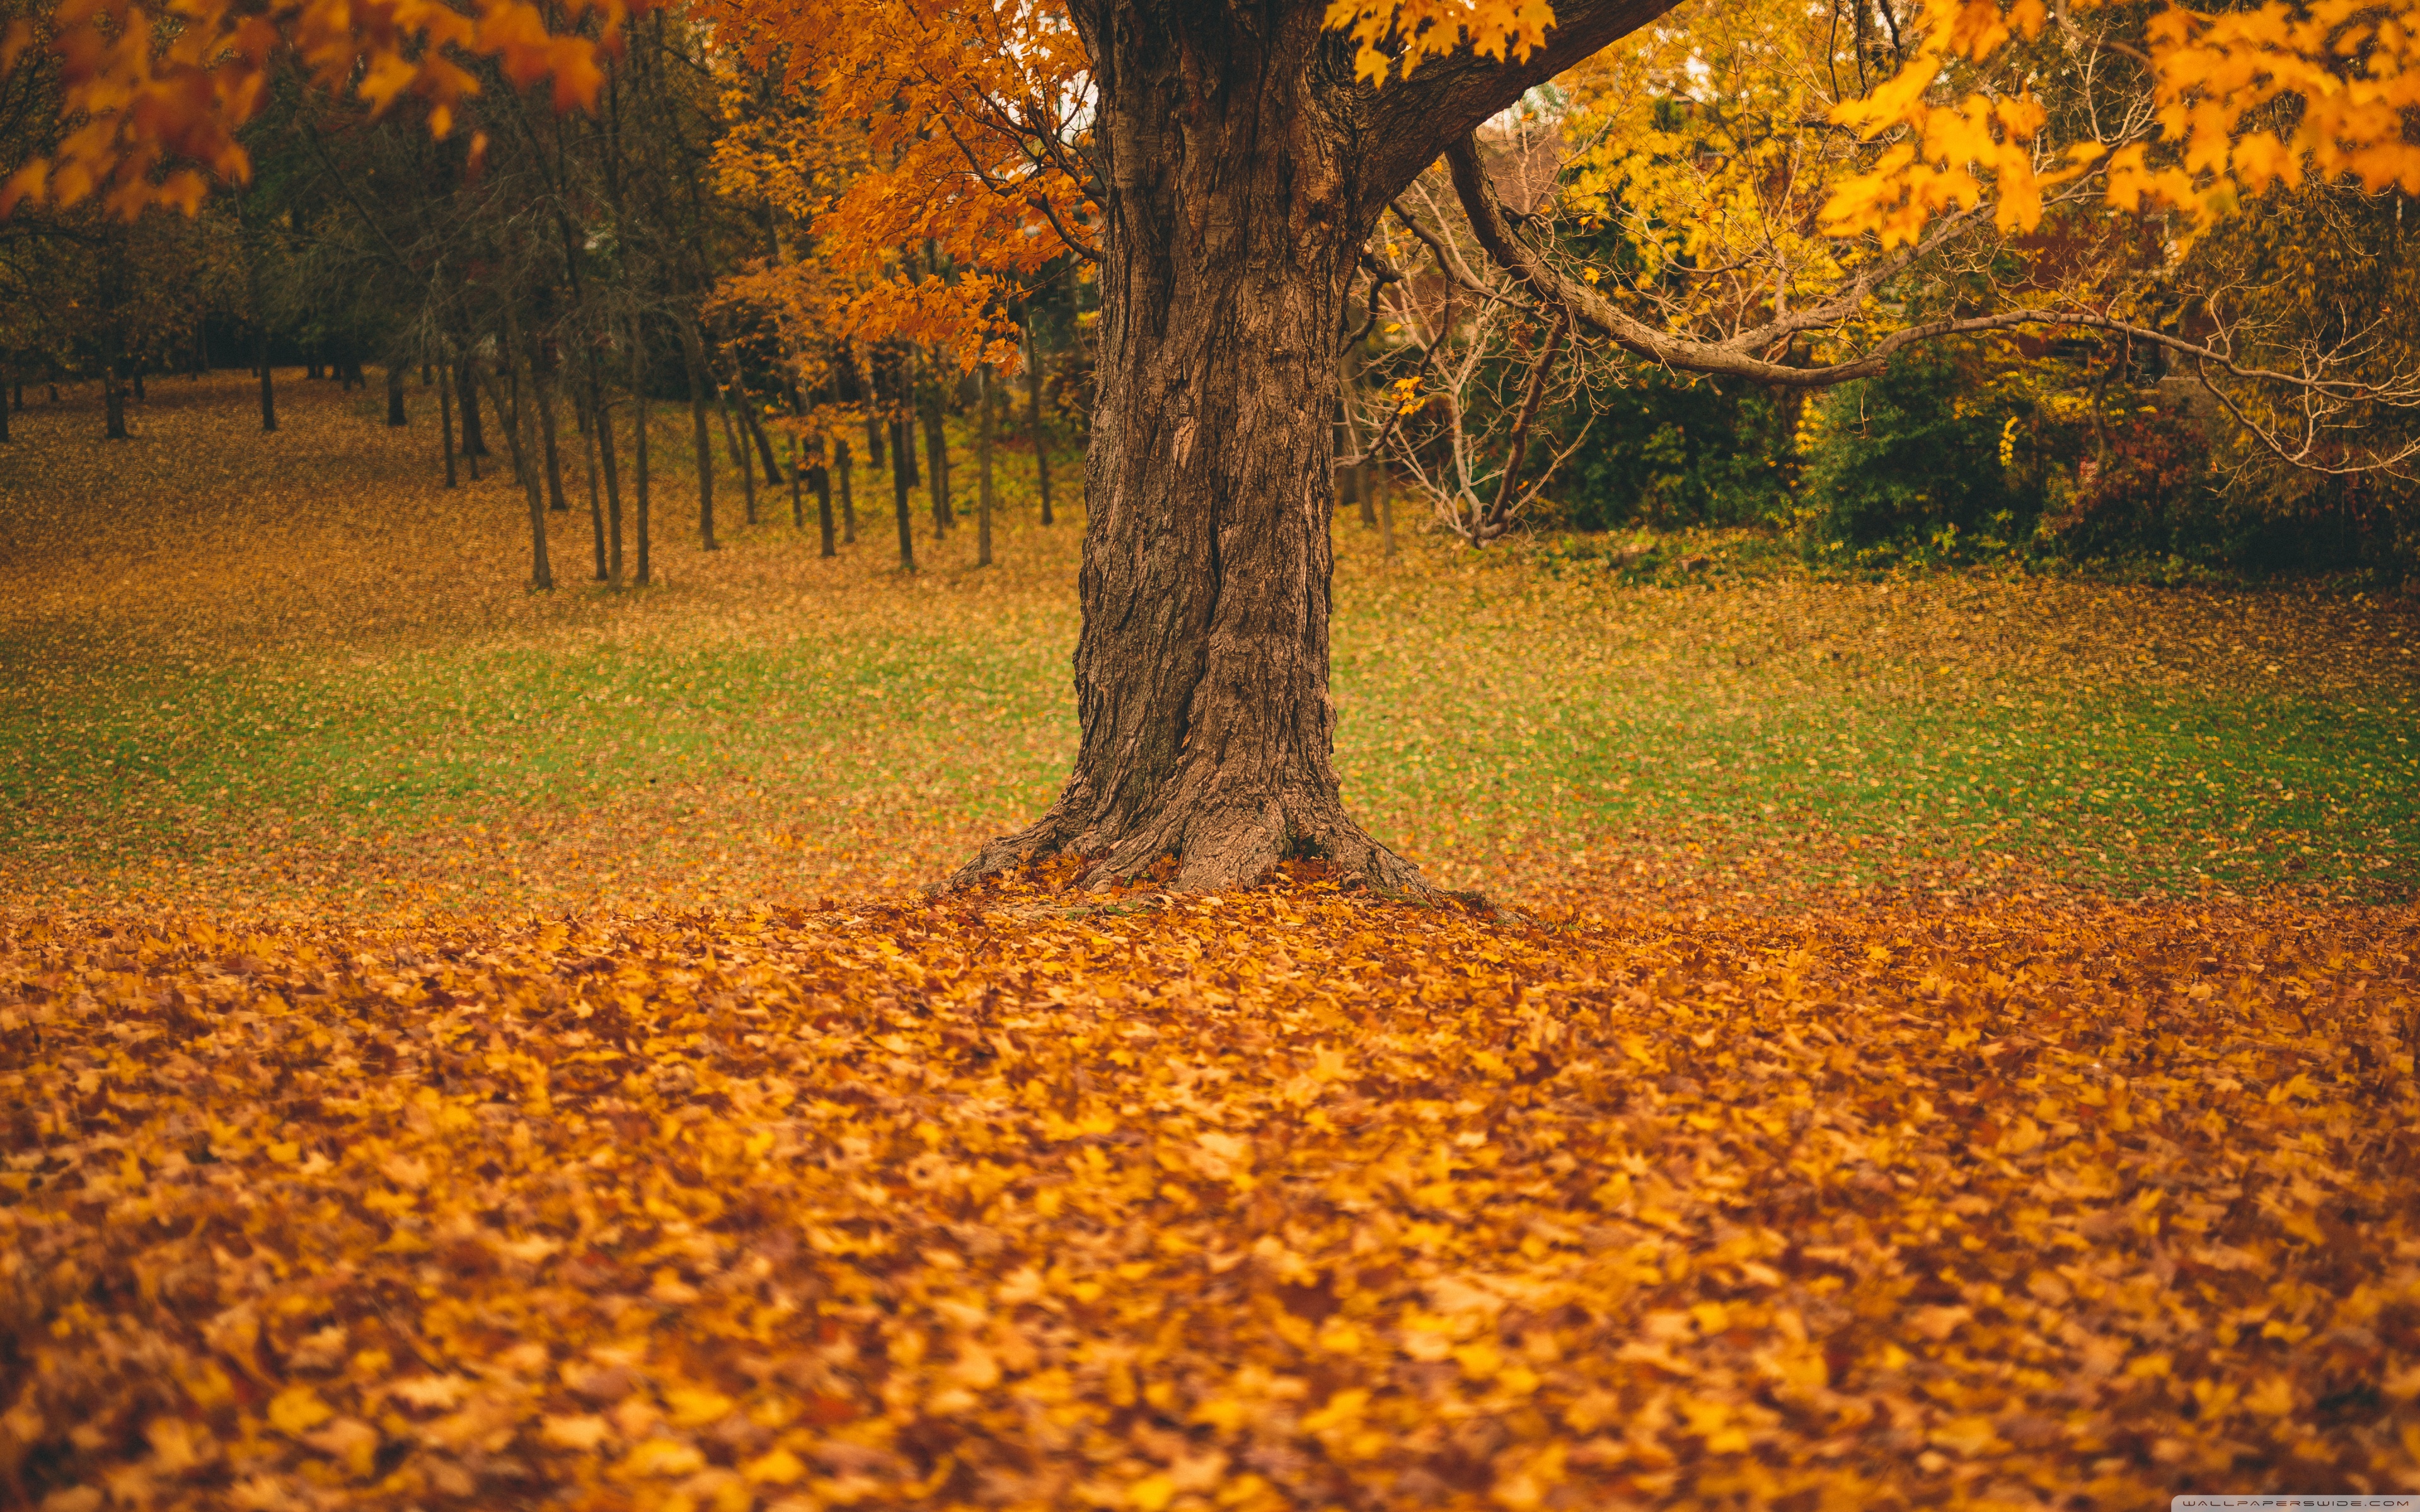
{"x": 1216, "y": 846}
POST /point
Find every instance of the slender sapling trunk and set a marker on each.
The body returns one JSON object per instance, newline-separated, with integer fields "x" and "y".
{"x": 983, "y": 466}
{"x": 446, "y": 428}
{"x": 899, "y": 444}
{"x": 1033, "y": 419}
{"x": 847, "y": 496}
{"x": 639, "y": 455}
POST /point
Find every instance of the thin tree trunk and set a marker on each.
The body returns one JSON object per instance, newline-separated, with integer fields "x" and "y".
{"x": 474, "y": 435}
{"x": 638, "y": 454}
{"x": 764, "y": 443}
{"x": 139, "y": 397}
{"x": 596, "y": 500}
{"x": 601, "y": 425}
{"x": 112, "y": 401}
{"x": 937, "y": 458}
{"x": 1379, "y": 485}
{"x": 1034, "y": 417}
{"x": 819, "y": 477}
{"x": 983, "y": 466}
{"x": 508, "y": 410}
{"x": 872, "y": 441}
{"x": 693, "y": 355}
{"x": 798, "y": 502}
{"x": 738, "y": 456}
{"x": 1498, "y": 517}
{"x": 899, "y": 444}
{"x": 268, "y": 386}
{"x": 514, "y": 432}
{"x": 543, "y": 382}
{"x": 395, "y": 418}
{"x": 445, "y": 427}
{"x": 521, "y": 440}
{"x": 848, "y": 497}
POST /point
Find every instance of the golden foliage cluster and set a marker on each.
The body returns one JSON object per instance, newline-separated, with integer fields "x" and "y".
{"x": 1288, "y": 1197}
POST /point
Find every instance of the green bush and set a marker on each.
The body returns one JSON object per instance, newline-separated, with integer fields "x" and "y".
{"x": 1910, "y": 463}
{"x": 1667, "y": 453}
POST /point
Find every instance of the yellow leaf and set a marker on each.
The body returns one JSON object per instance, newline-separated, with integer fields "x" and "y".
{"x": 779, "y": 1468}
{"x": 1150, "y": 1493}
{"x": 663, "y": 1456}
{"x": 297, "y": 1409}
{"x": 694, "y": 1406}
{"x": 584, "y": 1430}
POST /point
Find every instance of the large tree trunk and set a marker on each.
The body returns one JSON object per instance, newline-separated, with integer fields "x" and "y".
{"x": 1234, "y": 224}
{"x": 1243, "y": 168}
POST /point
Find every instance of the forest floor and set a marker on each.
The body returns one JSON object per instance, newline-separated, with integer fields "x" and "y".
{"x": 1946, "y": 1041}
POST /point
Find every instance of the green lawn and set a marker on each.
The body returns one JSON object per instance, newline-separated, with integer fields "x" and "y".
{"x": 213, "y": 723}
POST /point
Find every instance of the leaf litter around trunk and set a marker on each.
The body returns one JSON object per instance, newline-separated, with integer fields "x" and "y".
{"x": 1282, "y": 1197}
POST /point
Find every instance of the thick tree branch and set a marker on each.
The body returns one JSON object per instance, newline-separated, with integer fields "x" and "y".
{"x": 1413, "y": 120}
{"x": 1740, "y": 356}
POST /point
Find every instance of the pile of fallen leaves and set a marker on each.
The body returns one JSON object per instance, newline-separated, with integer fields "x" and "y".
{"x": 1285, "y": 1198}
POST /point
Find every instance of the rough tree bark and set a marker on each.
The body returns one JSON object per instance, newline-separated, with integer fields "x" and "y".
{"x": 1242, "y": 168}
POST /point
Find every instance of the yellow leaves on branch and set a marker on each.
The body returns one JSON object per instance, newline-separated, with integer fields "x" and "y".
{"x": 161, "y": 91}
{"x": 2244, "y": 101}
{"x": 1285, "y": 1198}
{"x": 1952, "y": 155}
{"x": 1397, "y": 35}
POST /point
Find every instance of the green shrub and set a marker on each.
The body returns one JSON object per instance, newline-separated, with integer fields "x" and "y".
{"x": 1667, "y": 453}
{"x": 1910, "y": 463}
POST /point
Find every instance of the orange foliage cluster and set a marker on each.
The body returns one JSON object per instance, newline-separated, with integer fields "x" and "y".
{"x": 1291, "y": 1198}
{"x": 161, "y": 92}
{"x": 956, "y": 122}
